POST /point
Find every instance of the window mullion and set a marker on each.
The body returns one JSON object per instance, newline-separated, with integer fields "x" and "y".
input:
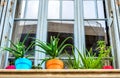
{"x": 41, "y": 29}
{"x": 96, "y": 8}
{"x": 109, "y": 23}
{"x": 116, "y": 33}
{"x": 25, "y": 10}
{"x": 79, "y": 26}
{"x": 7, "y": 31}
{"x": 60, "y": 9}
{"x": 11, "y": 22}
{"x": 2, "y": 17}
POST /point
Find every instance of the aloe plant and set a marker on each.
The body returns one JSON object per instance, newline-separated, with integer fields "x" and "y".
{"x": 53, "y": 48}
{"x": 18, "y": 49}
{"x": 84, "y": 61}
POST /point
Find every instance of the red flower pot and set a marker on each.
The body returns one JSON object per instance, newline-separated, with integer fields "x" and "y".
{"x": 107, "y": 67}
{"x": 10, "y": 67}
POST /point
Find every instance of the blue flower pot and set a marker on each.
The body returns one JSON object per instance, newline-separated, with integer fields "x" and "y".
{"x": 23, "y": 63}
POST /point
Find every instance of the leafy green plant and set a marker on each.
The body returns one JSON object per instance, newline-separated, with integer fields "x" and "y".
{"x": 104, "y": 51}
{"x": 53, "y": 49}
{"x": 73, "y": 62}
{"x": 84, "y": 61}
{"x": 18, "y": 49}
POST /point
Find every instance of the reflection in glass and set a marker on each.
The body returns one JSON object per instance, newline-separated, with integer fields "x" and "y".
{"x": 27, "y": 9}
{"x": 63, "y": 29}
{"x": 68, "y": 9}
{"x": 93, "y": 9}
{"x": 61, "y": 10}
{"x": 94, "y": 31}
{"x": 101, "y": 13}
{"x": 53, "y": 9}
{"x": 21, "y": 29}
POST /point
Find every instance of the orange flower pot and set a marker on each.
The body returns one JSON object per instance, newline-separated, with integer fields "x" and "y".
{"x": 54, "y": 64}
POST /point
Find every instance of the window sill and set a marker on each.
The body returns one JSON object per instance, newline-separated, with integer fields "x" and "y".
{"x": 63, "y": 73}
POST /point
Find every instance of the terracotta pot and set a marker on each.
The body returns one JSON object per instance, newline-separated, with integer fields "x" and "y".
{"x": 54, "y": 64}
{"x": 10, "y": 67}
{"x": 107, "y": 67}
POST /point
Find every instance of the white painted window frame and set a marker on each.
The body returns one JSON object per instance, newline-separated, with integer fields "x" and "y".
{"x": 79, "y": 34}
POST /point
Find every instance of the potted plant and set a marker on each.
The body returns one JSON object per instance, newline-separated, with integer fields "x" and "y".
{"x": 53, "y": 49}
{"x": 85, "y": 61}
{"x": 18, "y": 50}
{"x": 104, "y": 52}
{"x": 10, "y": 66}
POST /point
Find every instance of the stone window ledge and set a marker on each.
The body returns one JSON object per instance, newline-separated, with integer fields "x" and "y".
{"x": 60, "y": 73}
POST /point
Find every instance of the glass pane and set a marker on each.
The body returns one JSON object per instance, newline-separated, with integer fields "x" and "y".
{"x": 93, "y": 10}
{"x": 101, "y": 7}
{"x": 21, "y": 29}
{"x": 1, "y": 9}
{"x": 62, "y": 28}
{"x": 53, "y": 9}
{"x": 94, "y": 31}
{"x": 68, "y": 9}
{"x": 89, "y": 9}
{"x": 27, "y": 9}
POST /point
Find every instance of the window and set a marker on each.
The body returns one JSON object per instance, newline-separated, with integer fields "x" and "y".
{"x": 25, "y": 22}
{"x": 60, "y": 20}
{"x": 87, "y": 21}
{"x": 95, "y": 24}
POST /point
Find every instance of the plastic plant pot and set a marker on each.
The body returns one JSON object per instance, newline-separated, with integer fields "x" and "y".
{"x": 10, "y": 67}
{"x": 23, "y": 63}
{"x": 107, "y": 67}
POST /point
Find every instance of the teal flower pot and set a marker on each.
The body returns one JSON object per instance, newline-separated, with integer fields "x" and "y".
{"x": 23, "y": 63}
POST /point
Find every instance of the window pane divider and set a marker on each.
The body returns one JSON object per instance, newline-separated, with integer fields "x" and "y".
{"x": 32, "y": 58}
{"x": 60, "y": 19}
{"x": 104, "y": 19}
{"x": 25, "y": 19}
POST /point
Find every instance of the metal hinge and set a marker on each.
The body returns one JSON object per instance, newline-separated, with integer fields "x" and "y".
{"x": 110, "y": 21}
{"x": 3, "y": 3}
